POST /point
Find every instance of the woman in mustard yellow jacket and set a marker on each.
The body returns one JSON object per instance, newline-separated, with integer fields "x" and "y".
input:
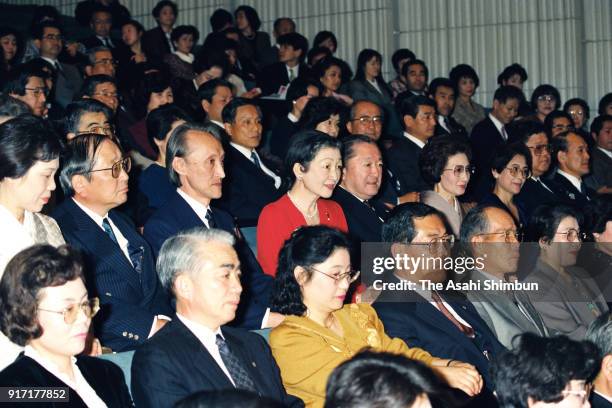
{"x": 320, "y": 332}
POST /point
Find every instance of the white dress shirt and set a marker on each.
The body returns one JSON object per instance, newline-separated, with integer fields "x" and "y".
{"x": 292, "y": 118}
{"x": 216, "y": 122}
{"x": 442, "y": 122}
{"x": 199, "y": 208}
{"x": 208, "y": 338}
{"x": 576, "y": 182}
{"x": 107, "y": 43}
{"x": 246, "y": 152}
{"x": 296, "y": 71}
{"x": 54, "y": 63}
{"x": 499, "y": 126}
{"x": 609, "y": 154}
{"x": 417, "y": 141}
{"x": 374, "y": 83}
{"x": 79, "y": 385}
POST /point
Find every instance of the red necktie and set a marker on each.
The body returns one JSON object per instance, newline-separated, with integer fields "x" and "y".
{"x": 468, "y": 331}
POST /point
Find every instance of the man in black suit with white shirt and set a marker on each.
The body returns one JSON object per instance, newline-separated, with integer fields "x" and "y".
{"x": 441, "y": 90}
{"x": 291, "y": 56}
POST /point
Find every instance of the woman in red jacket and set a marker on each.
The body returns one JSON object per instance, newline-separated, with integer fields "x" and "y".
{"x": 314, "y": 166}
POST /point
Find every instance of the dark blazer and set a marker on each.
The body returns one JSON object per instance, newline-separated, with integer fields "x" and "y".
{"x": 155, "y": 44}
{"x": 568, "y": 194}
{"x": 414, "y": 320}
{"x": 129, "y": 299}
{"x": 282, "y": 133}
{"x": 93, "y": 42}
{"x": 174, "y": 364}
{"x": 402, "y": 159}
{"x": 275, "y": 75}
{"x": 456, "y": 129}
{"x": 363, "y": 90}
{"x": 176, "y": 216}
{"x": 533, "y": 195}
{"x": 492, "y": 199}
{"x": 104, "y": 377}
{"x": 155, "y": 184}
{"x": 598, "y": 401}
{"x": 68, "y": 81}
{"x": 601, "y": 170}
{"x": 485, "y": 138}
{"x": 364, "y": 222}
{"x": 246, "y": 188}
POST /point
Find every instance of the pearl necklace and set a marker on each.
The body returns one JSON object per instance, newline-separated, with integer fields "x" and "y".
{"x": 305, "y": 214}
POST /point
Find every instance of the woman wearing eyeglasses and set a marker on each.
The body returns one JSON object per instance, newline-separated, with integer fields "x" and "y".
{"x": 319, "y": 331}
{"x": 568, "y": 299}
{"x": 544, "y": 99}
{"x": 510, "y": 168}
{"x": 445, "y": 164}
{"x": 49, "y": 313}
{"x": 558, "y": 122}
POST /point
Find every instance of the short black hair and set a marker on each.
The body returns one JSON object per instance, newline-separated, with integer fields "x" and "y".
{"x": 545, "y": 89}
{"x": 380, "y": 379}
{"x": 314, "y": 51}
{"x": 322, "y": 36}
{"x": 550, "y": 119}
{"x": 410, "y": 63}
{"x": 603, "y": 103}
{"x": 75, "y": 111}
{"x": 231, "y": 109}
{"x": 182, "y": 30}
{"x": 523, "y": 130}
{"x": 204, "y": 62}
{"x": 559, "y": 143}
{"x": 39, "y": 29}
{"x": 435, "y": 154}
{"x": 4, "y": 31}
{"x": 25, "y": 140}
{"x": 546, "y": 219}
{"x": 510, "y": 71}
{"x": 507, "y": 92}
{"x": 251, "y": 15}
{"x": 208, "y": 89}
{"x": 295, "y": 40}
{"x": 279, "y": 20}
{"x": 541, "y": 368}
{"x": 318, "y": 110}
{"x": 504, "y": 154}
{"x": 90, "y": 83}
{"x": 136, "y": 24}
{"x": 463, "y": 71}
{"x": 399, "y": 226}
{"x": 26, "y": 275}
{"x": 598, "y": 123}
{"x": 18, "y": 78}
{"x": 440, "y": 82}
{"x": 220, "y": 18}
{"x": 299, "y": 87}
{"x": 319, "y": 69}
{"x": 159, "y": 122}
{"x": 597, "y": 215}
{"x": 80, "y": 157}
{"x": 348, "y": 145}
{"x": 401, "y": 54}
{"x": 307, "y": 246}
{"x": 409, "y": 106}
{"x": 154, "y": 82}
{"x": 303, "y": 148}
{"x": 12, "y": 107}
{"x": 578, "y": 101}
{"x": 160, "y": 5}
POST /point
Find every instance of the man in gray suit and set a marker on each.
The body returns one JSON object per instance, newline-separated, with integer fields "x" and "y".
{"x": 600, "y": 178}
{"x": 490, "y": 234}
{"x": 48, "y": 38}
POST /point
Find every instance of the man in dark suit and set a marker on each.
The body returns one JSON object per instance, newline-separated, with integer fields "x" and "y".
{"x": 418, "y": 114}
{"x": 441, "y": 322}
{"x": 120, "y": 262}
{"x": 101, "y": 23}
{"x": 600, "y": 178}
{"x": 600, "y": 333}
{"x": 490, "y": 133}
{"x": 195, "y": 159}
{"x": 441, "y": 90}
{"x": 48, "y": 38}
{"x": 196, "y": 351}
{"x": 571, "y": 155}
{"x": 251, "y": 182}
{"x": 214, "y": 95}
{"x": 290, "y": 65}
{"x": 361, "y": 180}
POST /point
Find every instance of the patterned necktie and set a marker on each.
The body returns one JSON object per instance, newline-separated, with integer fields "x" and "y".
{"x": 291, "y": 74}
{"x": 255, "y": 159}
{"x": 109, "y": 231}
{"x": 241, "y": 377}
{"x": 210, "y": 219}
{"x": 468, "y": 331}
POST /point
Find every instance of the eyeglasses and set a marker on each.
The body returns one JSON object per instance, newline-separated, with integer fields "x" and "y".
{"x": 436, "y": 243}
{"x": 460, "y": 170}
{"x": 125, "y": 164}
{"x": 547, "y": 98}
{"x": 106, "y": 61}
{"x": 90, "y": 307}
{"x": 563, "y": 128}
{"x": 576, "y": 113}
{"x": 53, "y": 37}
{"x": 38, "y": 91}
{"x": 106, "y": 94}
{"x": 349, "y": 276}
{"x": 516, "y": 170}
{"x": 368, "y": 120}
{"x": 99, "y": 130}
{"x": 573, "y": 235}
{"x": 509, "y": 235}
{"x": 540, "y": 149}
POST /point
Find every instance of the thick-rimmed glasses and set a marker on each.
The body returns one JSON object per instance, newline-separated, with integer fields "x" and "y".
{"x": 368, "y": 120}
{"x": 439, "y": 242}
{"x": 38, "y": 91}
{"x": 459, "y": 170}
{"x": 509, "y": 235}
{"x": 547, "y": 98}
{"x": 540, "y": 149}
{"x": 90, "y": 307}
{"x": 350, "y": 276}
{"x": 99, "y": 130}
{"x": 106, "y": 61}
{"x": 125, "y": 164}
{"x": 573, "y": 235}
{"x": 516, "y": 171}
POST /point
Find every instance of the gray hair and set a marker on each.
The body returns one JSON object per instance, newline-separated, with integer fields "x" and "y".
{"x": 182, "y": 253}
{"x": 177, "y": 144}
{"x": 600, "y": 333}
{"x": 91, "y": 53}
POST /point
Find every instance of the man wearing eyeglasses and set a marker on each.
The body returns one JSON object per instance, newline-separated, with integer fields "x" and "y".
{"x": 121, "y": 265}
{"x": 100, "y": 23}
{"x": 48, "y": 39}
{"x": 442, "y": 322}
{"x": 100, "y": 62}
{"x": 488, "y": 233}
{"x": 87, "y": 116}
{"x": 25, "y": 84}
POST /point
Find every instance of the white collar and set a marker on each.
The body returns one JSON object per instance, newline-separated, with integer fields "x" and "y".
{"x": 609, "y": 399}
{"x": 92, "y": 214}
{"x": 606, "y": 152}
{"x": 199, "y": 208}
{"x": 497, "y": 123}
{"x": 218, "y": 123}
{"x": 418, "y": 142}
{"x": 576, "y": 182}
{"x": 292, "y": 117}
{"x": 246, "y": 152}
{"x": 360, "y": 199}
{"x": 188, "y": 58}
{"x": 52, "y": 62}
{"x": 199, "y": 330}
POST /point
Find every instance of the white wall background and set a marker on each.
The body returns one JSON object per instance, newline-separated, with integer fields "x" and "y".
{"x": 567, "y": 43}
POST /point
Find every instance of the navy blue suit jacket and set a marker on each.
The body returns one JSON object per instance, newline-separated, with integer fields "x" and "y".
{"x": 176, "y": 216}
{"x": 129, "y": 300}
{"x": 174, "y": 364}
{"x": 364, "y": 223}
{"x": 420, "y": 324}
{"x": 402, "y": 159}
{"x": 568, "y": 194}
